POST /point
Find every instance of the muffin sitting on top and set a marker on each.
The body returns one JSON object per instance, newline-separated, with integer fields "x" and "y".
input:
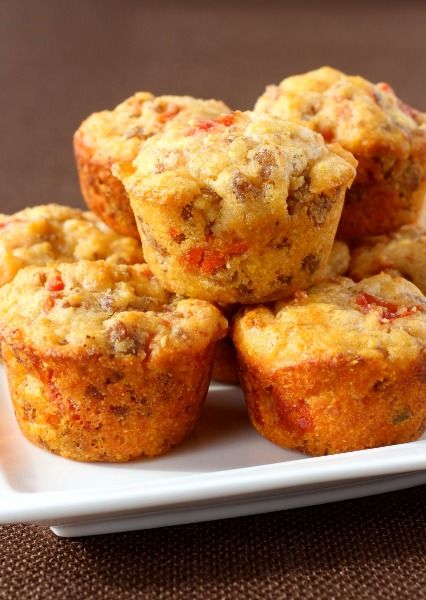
{"x": 240, "y": 209}
{"x": 386, "y": 136}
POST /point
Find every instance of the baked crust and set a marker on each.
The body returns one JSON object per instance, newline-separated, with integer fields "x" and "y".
{"x": 103, "y": 193}
{"x": 117, "y": 135}
{"x": 402, "y": 252}
{"x": 386, "y": 136}
{"x": 51, "y": 233}
{"x": 238, "y": 210}
{"x": 342, "y": 367}
{"x": 328, "y": 423}
{"x": 105, "y": 366}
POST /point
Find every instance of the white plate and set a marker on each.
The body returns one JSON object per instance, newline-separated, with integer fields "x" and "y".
{"x": 224, "y": 469}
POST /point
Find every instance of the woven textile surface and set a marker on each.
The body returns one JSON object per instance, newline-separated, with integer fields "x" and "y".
{"x": 369, "y": 548}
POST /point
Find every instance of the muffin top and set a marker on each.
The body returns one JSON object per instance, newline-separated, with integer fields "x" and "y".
{"x": 379, "y": 318}
{"x": 91, "y": 308}
{"x": 361, "y": 116}
{"x": 50, "y": 233}
{"x": 118, "y": 134}
{"x": 402, "y": 252}
{"x": 243, "y": 166}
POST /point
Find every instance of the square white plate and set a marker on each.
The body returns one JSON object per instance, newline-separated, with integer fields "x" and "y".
{"x": 224, "y": 469}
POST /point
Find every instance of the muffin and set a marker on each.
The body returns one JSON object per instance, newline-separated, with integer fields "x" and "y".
{"x": 50, "y": 233}
{"x": 240, "y": 209}
{"x": 341, "y": 367}
{"x": 386, "y": 136}
{"x": 102, "y": 363}
{"x": 117, "y": 135}
{"x": 402, "y": 253}
{"x": 225, "y": 367}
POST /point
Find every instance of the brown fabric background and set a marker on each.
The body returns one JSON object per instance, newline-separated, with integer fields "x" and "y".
{"x": 61, "y": 60}
{"x": 374, "y": 548}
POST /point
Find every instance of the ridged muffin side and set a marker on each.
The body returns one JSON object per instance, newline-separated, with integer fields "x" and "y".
{"x": 341, "y": 367}
{"x": 240, "y": 209}
{"x": 102, "y": 363}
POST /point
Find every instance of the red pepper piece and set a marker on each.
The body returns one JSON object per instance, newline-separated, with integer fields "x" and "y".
{"x": 49, "y": 303}
{"x": 390, "y": 311}
{"x": 237, "y": 248}
{"x": 328, "y": 135}
{"x": 385, "y": 87}
{"x": 227, "y": 119}
{"x": 210, "y": 124}
{"x": 202, "y": 126}
{"x": 193, "y": 258}
{"x": 173, "y": 232}
{"x": 54, "y": 283}
{"x": 212, "y": 261}
{"x": 9, "y": 222}
{"x": 209, "y": 260}
{"x": 172, "y": 110}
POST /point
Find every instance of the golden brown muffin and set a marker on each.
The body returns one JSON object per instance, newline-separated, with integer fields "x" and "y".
{"x": 102, "y": 363}
{"x": 240, "y": 209}
{"x": 402, "y": 253}
{"x": 386, "y": 136}
{"x": 117, "y": 135}
{"x": 225, "y": 368}
{"x": 341, "y": 367}
{"x": 50, "y": 233}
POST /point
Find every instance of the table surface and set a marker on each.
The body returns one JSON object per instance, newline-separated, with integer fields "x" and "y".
{"x": 59, "y": 62}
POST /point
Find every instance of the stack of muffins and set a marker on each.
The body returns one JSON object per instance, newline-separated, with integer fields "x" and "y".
{"x": 109, "y": 351}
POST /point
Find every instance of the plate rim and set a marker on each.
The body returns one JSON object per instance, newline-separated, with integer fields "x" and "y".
{"x": 174, "y": 489}
{"x": 272, "y": 478}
